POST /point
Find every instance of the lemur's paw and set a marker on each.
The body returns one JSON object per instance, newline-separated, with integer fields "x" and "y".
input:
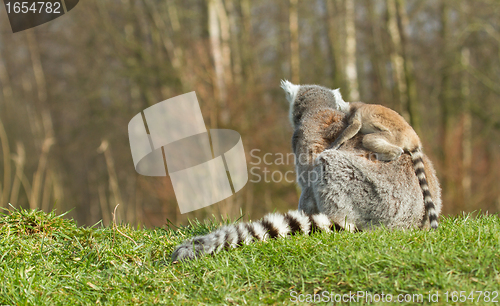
{"x": 319, "y": 159}
{"x": 390, "y": 156}
{"x": 335, "y": 146}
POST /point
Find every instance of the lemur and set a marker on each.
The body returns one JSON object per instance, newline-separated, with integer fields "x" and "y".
{"x": 388, "y": 135}
{"x": 312, "y": 112}
{"x": 311, "y": 137}
{"x": 349, "y": 189}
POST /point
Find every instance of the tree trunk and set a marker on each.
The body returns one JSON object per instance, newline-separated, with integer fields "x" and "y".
{"x": 445, "y": 97}
{"x": 411, "y": 90}
{"x": 6, "y": 85}
{"x": 378, "y": 56}
{"x": 397, "y": 60}
{"x": 20, "y": 161}
{"x": 235, "y": 42}
{"x": 48, "y": 133}
{"x": 225, "y": 46}
{"x": 8, "y": 101}
{"x": 178, "y": 53}
{"x": 215, "y": 44}
{"x": 5, "y": 191}
{"x": 37, "y": 67}
{"x": 249, "y": 61}
{"x": 40, "y": 173}
{"x": 466, "y": 118}
{"x": 294, "y": 42}
{"x": 113, "y": 178}
{"x": 467, "y": 132}
{"x": 174, "y": 51}
{"x": 350, "y": 52}
{"x": 103, "y": 201}
{"x": 335, "y": 43}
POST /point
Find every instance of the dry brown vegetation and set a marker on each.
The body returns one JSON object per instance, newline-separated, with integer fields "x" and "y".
{"x": 69, "y": 88}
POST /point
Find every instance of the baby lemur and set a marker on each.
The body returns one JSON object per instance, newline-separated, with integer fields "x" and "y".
{"x": 386, "y": 133}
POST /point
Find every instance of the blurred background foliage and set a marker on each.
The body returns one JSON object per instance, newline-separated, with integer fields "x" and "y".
{"x": 69, "y": 88}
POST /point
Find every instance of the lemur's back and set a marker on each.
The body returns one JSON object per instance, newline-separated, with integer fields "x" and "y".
{"x": 388, "y": 135}
{"x": 377, "y": 117}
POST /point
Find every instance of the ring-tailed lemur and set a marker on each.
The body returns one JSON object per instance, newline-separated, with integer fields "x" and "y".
{"x": 313, "y": 131}
{"x": 313, "y": 110}
{"x": 351, "y": 190}
{"x": 388, "y": 135}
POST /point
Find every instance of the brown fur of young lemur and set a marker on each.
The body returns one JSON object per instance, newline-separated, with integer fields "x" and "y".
{"x": 387, "y": 134}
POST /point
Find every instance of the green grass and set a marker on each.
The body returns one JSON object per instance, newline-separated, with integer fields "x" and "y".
{"x": 47, "y": 260}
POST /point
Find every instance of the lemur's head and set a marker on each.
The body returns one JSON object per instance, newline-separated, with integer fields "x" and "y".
{"x": 303, "y": 98}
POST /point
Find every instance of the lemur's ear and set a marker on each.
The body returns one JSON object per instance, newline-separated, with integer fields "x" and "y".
{"x": 290, "y": 89}
{"x": 337, "y": 95}
{"x": 339, "y": 101}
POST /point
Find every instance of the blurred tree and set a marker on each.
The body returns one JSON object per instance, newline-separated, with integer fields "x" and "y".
{"x": 71, "y": 83}
{"x": 350, "y": 52}
{"x": 294, "y": 42}
{"x": 409, "y": 89}
{"x": 397, "y": 60}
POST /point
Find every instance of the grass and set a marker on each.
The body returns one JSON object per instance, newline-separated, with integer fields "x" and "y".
{"x": 47, "y": 260}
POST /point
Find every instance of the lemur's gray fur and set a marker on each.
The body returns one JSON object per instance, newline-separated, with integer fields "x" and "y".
{"x": 388, "y": 135}
{"x": 345, "y": 188}
{"x": 313, "y": 112}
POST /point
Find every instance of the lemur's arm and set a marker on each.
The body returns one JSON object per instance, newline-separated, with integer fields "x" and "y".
{"x": 351, "y": 130}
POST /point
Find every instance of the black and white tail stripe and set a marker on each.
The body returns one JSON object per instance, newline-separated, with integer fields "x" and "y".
{"x": 273, "y": 225}
{"x": 430, "y": 208}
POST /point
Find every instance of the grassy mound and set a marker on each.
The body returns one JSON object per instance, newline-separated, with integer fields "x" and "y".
{"x": 46, "y": 260}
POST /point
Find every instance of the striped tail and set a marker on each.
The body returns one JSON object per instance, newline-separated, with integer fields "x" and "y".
{"x": 430, "y": 208}
{"x": 270, "y": 226}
